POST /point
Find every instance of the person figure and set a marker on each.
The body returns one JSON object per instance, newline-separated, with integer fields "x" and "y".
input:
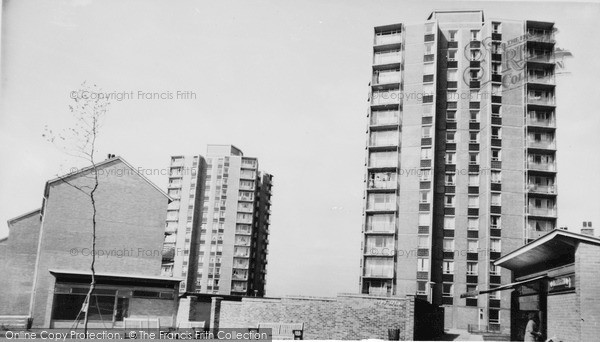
{"x": 531, "y": 333}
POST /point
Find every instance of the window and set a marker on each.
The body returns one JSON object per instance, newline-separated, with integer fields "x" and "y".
{"x": 495, "y": 245}
{"x": 472, "y": 268}
{"x": 496, "y": 199}
{"x": 428, "y": 69}
{"x": 426, "y": 153}
{"x": 421, "y": 287}
{"x": 474, "y": 116}
{"x": 450, "y": 177}
{"x": 473, "y": 179}
{"x": 452, "y": 35}
{"x": 452, "y": 95}
{"x": 496, "y": 27}
{"x": 496, "y": 89}
{"x": 496, "y": 177}
{"x": 473, "y": 201}
{"x": 448, "y": 245}
{"x": 424, "y": 198}
{"x": 424, "y": 174}
{"x": 423, "y": 241}
{"x": 447, "y": 290}
{"x": 496, "y": 68}
{"x": 452, "y": 55}
{"x": 496, "y": 133}
{"x": 472, "y": 288}
{"x": 452, "y": 75}
{"x": 450, "y": 135}
{"x": 474, "y": 95}
{"x": 426, "y": 131}
{"x": 450, "y": 158}
{"x": 473, "y": 223}
{"x": 448, "y": 267}
{"x": 451, "y": 115}
{"x": 422, "y": 265}
{"x": 473, "y": 158}
{"x": 494, "y": 270}
{"x": 473, "y": 137}
{"x": 449, "y": 222}
{"x": 424, "y": 219}
{"x": 474, "y": 34}
{"x": 449, "y": 200}
{"x": 496, "y": 155}
{"x": 495, "y": 221}
{"x": 472, "y": 246}
{"x": 429, "y": 48}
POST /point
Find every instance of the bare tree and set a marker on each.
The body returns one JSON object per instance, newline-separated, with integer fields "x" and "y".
{"x": 79, "y": 141}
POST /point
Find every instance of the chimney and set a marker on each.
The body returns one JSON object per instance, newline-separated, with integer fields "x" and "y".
{"x": 587, "y": 228}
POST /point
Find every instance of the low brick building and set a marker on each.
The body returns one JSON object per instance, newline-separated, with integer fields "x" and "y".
{"x": 345, "y": 317}
{"x": 46, "y": 245}
{"x": 557, "y": 278}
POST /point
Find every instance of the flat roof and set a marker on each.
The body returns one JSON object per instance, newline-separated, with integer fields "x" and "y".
{"x": 556, "y": 245}
{"x": 116, "y": 276}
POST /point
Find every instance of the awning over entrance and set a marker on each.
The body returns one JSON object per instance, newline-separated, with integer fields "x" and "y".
{"x": 500, "y": 288}
{"x": 553, "y": 249}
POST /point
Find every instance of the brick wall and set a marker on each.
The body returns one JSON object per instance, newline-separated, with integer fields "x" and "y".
{"x": 587, "y": 280}
{"x": 563, "y": 318}
{"x": 18, "y": 256}
{"x": 345, "y": 317}
{"x": 131, "y": 216}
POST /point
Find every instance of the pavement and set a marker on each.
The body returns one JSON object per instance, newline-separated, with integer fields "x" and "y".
{"x": 459, "y": 335}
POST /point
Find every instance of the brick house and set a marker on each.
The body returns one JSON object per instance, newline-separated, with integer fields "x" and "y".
{"x": 47, "y": 254}
{"x": 556, "y": 277}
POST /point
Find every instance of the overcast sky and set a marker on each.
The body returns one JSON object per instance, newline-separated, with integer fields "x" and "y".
{"x": 285, "y": 81}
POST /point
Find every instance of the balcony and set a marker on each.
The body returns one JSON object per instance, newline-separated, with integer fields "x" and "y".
{"x": 379, "y": 272}
{"x": 382, "y": 98}
{"x": 540, "y": 100}
{"x": 550, "y": 212}
{"x": 542, "y": 36}
{"x": 388, "y": 38}
{"x": 541, "y": 189}
{"x": 382, "y": 185}
{"x": 379, "y": 251}
{"x": 247, "y": 175}
{"x": 545, "y": 57}
{"x": 381, "y": 206}
{"x": 540, "y": 78}
{"x": 390, "y": 118}
{"x": 170, "y": 230}
{"x": 551, "y": 167}
{"x": 386, "y": 78}
{"x": 541, "y": 122}
{"x": 245, "y": 209}
{"x": 239, "y": 276}
{"x": 541, "y": 144}
{"x": 238, "y": 289}
{"x": 384, "y": 58}
{"x": 249, "y": 164}
{"x": 381, "y": 228}
{"x": 383, "y": 163}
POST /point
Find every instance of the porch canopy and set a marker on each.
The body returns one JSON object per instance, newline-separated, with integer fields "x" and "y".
{"x": 555, "y": 249}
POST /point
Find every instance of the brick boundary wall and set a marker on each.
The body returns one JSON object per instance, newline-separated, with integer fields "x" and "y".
{"x": 346, "y": 317}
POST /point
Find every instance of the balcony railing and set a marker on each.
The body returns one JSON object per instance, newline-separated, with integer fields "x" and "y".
{"x": 540, "y": 56}
{"x": 383, "y": 163}
{"x": 378, "y": 142}
{"x": 375, "y": 184}
{"x": 541, "y": 189}
{"x": 541, "y": 100}
{"x": 379, "y": 272}
{"x": 535, "y": 35}
{"x": 541, "y": 211}
{"x": 536, "y": 78}
{"x": 381, "y": 228}
{"x": 387, "y": 58}
{"x": 381, "y": 206}
{"x": 239, "y": 289}
{"x": 387, "y": 77}
{"x": 239, "y": 276}
{"x": 541, "y": 166}
{"x": 543, "y": 144}
{"x": 388, "y": 97}
{"x": 385, "y": 39}
{"x": 381, "y": 121}
{"x": 379, "y": 291}
{"x": 379, "y": 251}
{"x": 535, "y": 121}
